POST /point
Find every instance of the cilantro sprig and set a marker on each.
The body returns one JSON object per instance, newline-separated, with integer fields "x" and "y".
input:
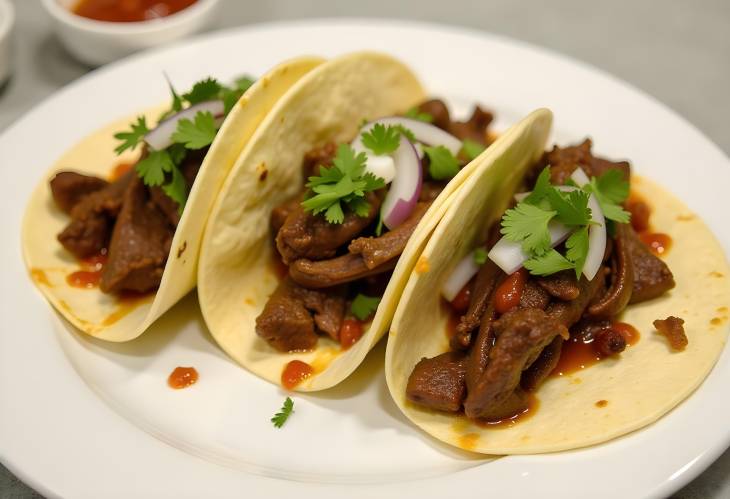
{"x": 162, "y": 167}
{"x": 528, "y": 223}
{"x": 286, "y": 410}
{"x": 346, "y": 182}
{"x": 364, "y": 306}
{"x": 416, "y": 114}
{"x": 442, "y": 164}
{"x": 381, "y": 139}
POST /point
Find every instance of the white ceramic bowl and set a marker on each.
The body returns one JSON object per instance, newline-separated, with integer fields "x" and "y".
{"x": 99, "y": 42}
{"x": 7, "y": 20}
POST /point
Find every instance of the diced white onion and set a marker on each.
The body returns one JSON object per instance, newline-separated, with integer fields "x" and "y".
{"x": 508, "y": 255}
{"x": 382, "y": 166}
{"x": 462, "y": 273}
{"x": 580, "y": 177}
{"x": 596, "y": 239}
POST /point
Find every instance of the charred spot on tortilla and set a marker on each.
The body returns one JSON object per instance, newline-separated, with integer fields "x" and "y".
{"x": 182, "y": 249}
{"x": 39, "y": 276}
{"x": 262, "y": 171}
{"x": 601, "y": 403}
{"x": 422, "y": 265}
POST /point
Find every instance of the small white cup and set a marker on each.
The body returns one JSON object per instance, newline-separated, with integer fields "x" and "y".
{"x": 7, "y": 20}
{"x": 99, "y": 42}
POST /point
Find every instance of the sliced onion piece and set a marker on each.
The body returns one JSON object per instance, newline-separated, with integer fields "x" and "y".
{"x": 425, "y": 132}
{"x": 382, "y": 166}
{"x": 161, "y": 136}
{"x": 462, "y": 273}
{"x": 406, "y": 187}
{"x": 508, "y": 255}
{"x": 580, "y": 177}
{"x": 596, "y": 239}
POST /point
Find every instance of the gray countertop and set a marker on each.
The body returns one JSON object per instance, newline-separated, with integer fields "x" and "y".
{"x": 673, "y": 50}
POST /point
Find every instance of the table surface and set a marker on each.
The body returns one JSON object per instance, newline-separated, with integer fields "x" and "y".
{"x": 673, "y": 50}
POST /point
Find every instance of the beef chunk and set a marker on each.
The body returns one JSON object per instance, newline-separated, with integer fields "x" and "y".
{"x": 481, "y": 293}
{"x": 68, "y": 188}
{"x": 475, "y": 128}
{"x": 613, "y": 300}
{"x": 293, "y": 315}
{"x": 305, "y": 235}
{"x": 166, "y": 205}
{"x": 92, "y": 219}
{"x": 279, "y": 214}
{"x": 562, "y": 285}
{"x": 339, "y": 270}
{"x": 438, "y": 383}
{"x": 139, "y": 245}
{"x": 189, "y": 168}
{"x": 534, "y": 296}
{"x": 673, "y": 329}
{"x": 376, "y": 251}
{"x": 533, "y": 376}
{"x": 608, "y": 342}
{"x": 521, "y": 335}
{"x": 568, "y": 313}
{"x": 564, "y": 160}
{"x": 320, "y": 156}
{"x": 652, "y": 277}
{"x": 438, "y": 111}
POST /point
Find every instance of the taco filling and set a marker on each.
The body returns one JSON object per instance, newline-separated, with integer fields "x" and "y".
{"x": 558, "y": 269}
{"x": 121, "y": 229}
{"x": 340, "y": 238}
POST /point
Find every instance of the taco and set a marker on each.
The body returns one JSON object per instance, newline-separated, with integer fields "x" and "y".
{"x": 128, "y": 209}
{"x": 337, "y": 170}
{"x": 568, "y": 302}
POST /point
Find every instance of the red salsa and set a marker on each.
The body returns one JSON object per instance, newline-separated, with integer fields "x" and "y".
{"x": 350, "y": 332}
{"x": 579, "y": 353}
{"x": 182, "y": 377}
{"x": 294, "y": 373}
{"x": 126, "y": 11}
{"x": 89, "y": 275}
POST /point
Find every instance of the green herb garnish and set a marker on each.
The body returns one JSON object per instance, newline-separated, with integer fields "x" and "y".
{"x": 134, "y": 137}
{"x": 471, "y": 149}
{"x": 286, "y": 410}
{"x": 198, "y": 133}
{"x": 345, "y": 182}
{"x": 364, "y": 306}
{"x": 207, "y": 89}
{"x": 528, "y": 222}
{"x": 480, "y": 256}
{"x": 382, "y": 139}
{"x": 442, "y": 164}
{"x": 418, "y": 115}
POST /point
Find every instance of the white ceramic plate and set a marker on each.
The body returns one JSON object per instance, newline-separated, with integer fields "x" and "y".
{"x": 78, "y": 417}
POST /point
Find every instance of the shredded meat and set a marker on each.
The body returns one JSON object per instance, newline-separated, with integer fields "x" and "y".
{"x": 614, "y": 300}
{"x": 564, "y": 160}
{"x": 92, "y": 219}
{"x": 280, "y": 213}
{"x": 320, "y": 156}
{"x": 534, "y": 296}
{"x": 534, "y": 375}
{"x": 568, "y": 313}
{"x": 481, "y": 293}
{"x": 293, "y": 315}
{"x": 376, "y": 251}
{"x": 652, "y": 277}
{"x": 438, "y": 111}
{"x": 305, "y": 235}
{"x": 521, "y": 336}
{"x": 68, "y": 188}
{"x": 475, "y": 128}
{"x": 438, "y": 382}
{"x": 673, "y": 329}
{"x": 562, "y": 285}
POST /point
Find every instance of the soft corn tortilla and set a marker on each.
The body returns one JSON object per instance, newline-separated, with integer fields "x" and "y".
{"x": 235, "y": 276}
{"x": 106, "y": 316}
{"x": 645, "y": 382}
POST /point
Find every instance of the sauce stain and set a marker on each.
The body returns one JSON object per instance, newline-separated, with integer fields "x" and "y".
{"x": 722, "y": 309}
{"x": 90, "y": 274}
{"x": 422, "y": 265}
{"x": 40, "y": 277}
{"x": 685, "y": 218}
{"x": 533, "y": 403}
{"x": 579, "y": 353}
{"x": 716, "y": 321}
{"x": 715, "y": 273}
{"x": 294, "y": 373}
{"x": 119, "y": 171}
{"x": 658, "y": 243}
{"x": 126, "y": 304}
{"x": 182, "y": 377}
{"x": 602, "y": 403}
{"x": 468, "y": 441}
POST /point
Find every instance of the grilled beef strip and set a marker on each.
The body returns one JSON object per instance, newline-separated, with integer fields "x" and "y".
{"x": 68, "y": 188}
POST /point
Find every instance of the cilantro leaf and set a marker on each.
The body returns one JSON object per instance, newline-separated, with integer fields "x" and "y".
{"x": 197, "y": 134}
{"x": 207, "y": 89}
{"x": 577, "y": 246}
{"x": 131, "y": 139}
{"x": 176, "y": 189}
{"x": 528, "y": 224}
{"x": 571, "y": 207}
{"x": 548, "y": 263}
{"x": 442, "y": 164}
{"x": 406, "y": 132}
{"x": 542, "y": 185}
{"x": 471, "y": 148}
{"x": 152, "y": 168}
{"x": 243, "y": 83}
{"x": 364, "y": 306}
{"x": 345, "y": 182}
{"x": 418, "y": 115}
{"x": 480, "y": 256}
{"x": 610, "y": 190}
{"x": 381, "y": 139}
{"x": 286, "y": 410}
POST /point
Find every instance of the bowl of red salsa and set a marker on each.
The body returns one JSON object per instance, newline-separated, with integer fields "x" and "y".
{"x": 100, "y": 31}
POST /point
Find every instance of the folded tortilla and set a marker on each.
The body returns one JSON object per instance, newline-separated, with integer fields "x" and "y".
{"x": 107, "y": 316}
{"x": 635, "y": 389}
{"x": 235, "y": 275}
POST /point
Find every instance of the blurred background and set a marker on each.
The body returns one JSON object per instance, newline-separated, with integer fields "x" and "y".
{"x": 675, "y": 50}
